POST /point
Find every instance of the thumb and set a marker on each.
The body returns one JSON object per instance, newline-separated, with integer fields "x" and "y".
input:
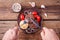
{"x": 43, "y": 35}
{"x": 45, "y": 29}
{"x": 16, "y": 29}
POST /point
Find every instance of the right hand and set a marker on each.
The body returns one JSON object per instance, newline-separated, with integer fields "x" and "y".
{"x": 48, "y": 34}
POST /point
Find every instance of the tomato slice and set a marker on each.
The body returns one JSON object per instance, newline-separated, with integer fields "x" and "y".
{"x": 35, "y": 16}
{"x": 22, "y": 17}
{"x": 38, "y": 18}
{"x": 34, "y": 13}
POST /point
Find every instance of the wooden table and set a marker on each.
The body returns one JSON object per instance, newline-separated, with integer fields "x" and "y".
{"x": 8, "y": 19}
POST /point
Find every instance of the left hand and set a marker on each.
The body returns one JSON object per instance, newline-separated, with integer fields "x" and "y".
{"x": 11, "y": 34}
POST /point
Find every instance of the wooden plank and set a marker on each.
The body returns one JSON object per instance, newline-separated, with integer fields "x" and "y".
{"x": 51, "y": 16}
{"x": 51, "y": 24}
{"x": 5, "y": 25}
{"x": 8, "y": 3}
{"x": 1, "y": 36}
{"x": 14, "y": 16}
{"x": 6, "y": 14}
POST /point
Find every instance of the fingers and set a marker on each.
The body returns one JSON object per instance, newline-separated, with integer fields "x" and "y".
{"x": 48, "y": 34}
{"x": 7, "y": 35}
{"x": 51, "y": 29}
{"x": 15, "y": 29}
{"x": 43, "y": 35}
{"x": 45, "y": 30}
{"x": 11, "y": 34}
{"x": 14, "y": 33}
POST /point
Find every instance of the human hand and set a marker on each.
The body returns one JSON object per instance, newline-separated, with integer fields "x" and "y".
{"x": 48, "y": 34}
{"x": 11, "y": 34}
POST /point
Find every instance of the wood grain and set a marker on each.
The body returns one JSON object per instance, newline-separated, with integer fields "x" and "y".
{"x": 24, "y": 3}
{"x": 8, "y": 19}
{"x": 8, "y": 14}
{"x": 5, "y": 25}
